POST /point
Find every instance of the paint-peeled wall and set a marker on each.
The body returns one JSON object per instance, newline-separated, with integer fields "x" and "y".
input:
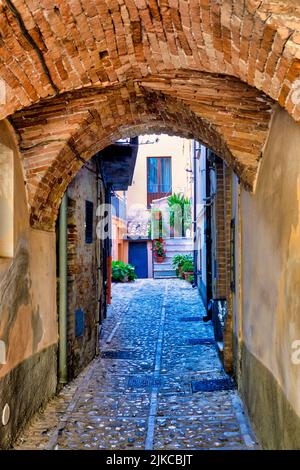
{"x": 270, "y": 237}
{"x": 28, "y": 324}
{"x": 85, "y": 283}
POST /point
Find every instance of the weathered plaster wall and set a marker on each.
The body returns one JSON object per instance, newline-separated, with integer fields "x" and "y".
{"x": 83, "y": 291}
{"x": 270, "y": 381}
{"x": 28, "y": 326}
{"x": 119, "y": 229}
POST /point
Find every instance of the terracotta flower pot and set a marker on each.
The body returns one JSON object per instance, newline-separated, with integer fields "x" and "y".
{"x": 187, "y": 275}
{"x": 180, "y": 272}
{"x": 159, "y": 259}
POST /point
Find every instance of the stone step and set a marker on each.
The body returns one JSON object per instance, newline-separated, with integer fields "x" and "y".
{"x": 162, "y": 266}
{"x": 178, "y": 249}
{"x": 169, "y": 259}
{"x": 164, "y": 274}
{"x": 171, "y": 253}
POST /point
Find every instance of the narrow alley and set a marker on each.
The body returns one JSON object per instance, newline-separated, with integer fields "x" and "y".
{"x": 157, "y": 383}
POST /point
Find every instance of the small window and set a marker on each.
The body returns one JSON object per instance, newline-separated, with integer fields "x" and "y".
{"x": 159, "y": 178}
{"x": 79, "y": 322}
{"x": 6, "y": 202}
{"x": 89, "y": 215}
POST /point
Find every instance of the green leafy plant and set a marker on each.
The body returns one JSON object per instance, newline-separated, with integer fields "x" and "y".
{"x": 191, "y": 279}
{"x": 180, "y": 207}
{"x": 122, "y": 272}
{"x": 178, "y": 260}
{"x": 188, "y": 266}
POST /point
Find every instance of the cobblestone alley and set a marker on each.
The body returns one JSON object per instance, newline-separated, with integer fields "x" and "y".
{"x": 141, "y": 391}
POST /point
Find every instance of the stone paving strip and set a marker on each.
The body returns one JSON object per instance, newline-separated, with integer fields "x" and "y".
{"x": 141, "y": 391}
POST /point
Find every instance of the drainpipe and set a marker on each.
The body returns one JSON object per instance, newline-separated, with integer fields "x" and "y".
{"x": 109, "y": 245}
{"x": 62, "y": 354}
{"x": 208, "y": 236}
{"x": 98, "y": 318}
{"x": 195, "y": 283}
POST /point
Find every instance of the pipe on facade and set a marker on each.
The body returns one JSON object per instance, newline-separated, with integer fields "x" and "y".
{"x": 98, "y": 258}
{"x": 62, "y": 314}
{"x": 195, "y": 282}
{"x": 109, "y": 245}
{"x": 208, "y": 234}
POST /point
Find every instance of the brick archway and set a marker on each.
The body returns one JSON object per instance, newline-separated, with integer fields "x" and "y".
{"x": 69, "y": 69}
{"x": 49, "y": 48}
{"x": 58, "y": 135}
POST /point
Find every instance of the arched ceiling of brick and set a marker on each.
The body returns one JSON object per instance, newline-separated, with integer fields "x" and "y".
{"x": 53, "y": 46}
{"x": 57, "y": 135}
{"x": 76, "y": 73}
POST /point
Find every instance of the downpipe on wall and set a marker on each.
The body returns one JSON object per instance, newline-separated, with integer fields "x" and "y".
{"x": 109, "y": 246}
{"x": 209, "y": 201}
{"x": 98, "y": 319}
{"x": 195, "y": 254}
{"x": 63, "y": 299}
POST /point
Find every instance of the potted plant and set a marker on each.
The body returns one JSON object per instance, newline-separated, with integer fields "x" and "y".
{"x": 178, "y": 261}
{"x": 188, "y": 269}
{"x": 159, "y": 250}
{"x": 122, "y": 272}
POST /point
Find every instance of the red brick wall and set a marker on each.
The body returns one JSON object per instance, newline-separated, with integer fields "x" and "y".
{"x": 52, "y": 48}
{"x": 222, "y": 251}
{"x": 221, "y": 232}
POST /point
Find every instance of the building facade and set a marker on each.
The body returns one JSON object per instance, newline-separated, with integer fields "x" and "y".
{"x": 163, "y": 168}
{"x": 224, "y": 73}
{"x": 44, "y": 344}
{"x": 119, "y": 227}
{"x": 249, "y": 279}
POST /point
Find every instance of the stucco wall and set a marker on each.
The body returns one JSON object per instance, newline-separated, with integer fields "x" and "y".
{"x": 179, "y": 149}
{"x": 27, "y": 321}
{"x": 271, "y": 280}
{"x": 119, "y": 252}
{"x": 28, "y": 326}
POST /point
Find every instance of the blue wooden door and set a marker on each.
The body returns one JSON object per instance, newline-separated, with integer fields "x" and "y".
{"x": 138, "y": 257}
